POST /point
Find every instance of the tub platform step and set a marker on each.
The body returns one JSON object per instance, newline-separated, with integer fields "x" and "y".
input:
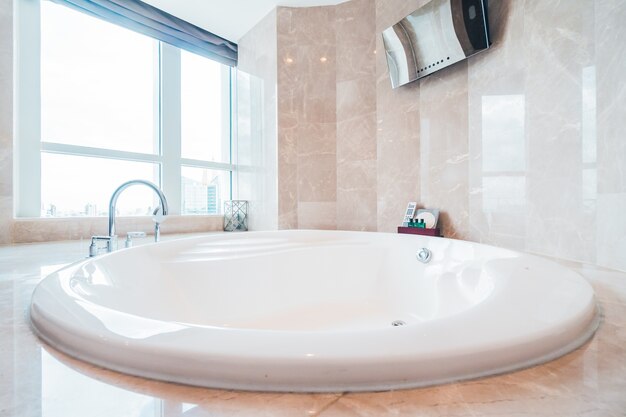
{"x": 418, "y": 231}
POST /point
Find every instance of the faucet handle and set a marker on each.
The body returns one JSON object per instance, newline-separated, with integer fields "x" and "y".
{"x": 95, "y": 248}
{"x": 133, "y": 235}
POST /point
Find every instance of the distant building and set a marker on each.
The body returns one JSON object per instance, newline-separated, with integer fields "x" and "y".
{"x": 212, "y": 206}
{"x": 200, "y": 197}
{"x": 91, "y": 209}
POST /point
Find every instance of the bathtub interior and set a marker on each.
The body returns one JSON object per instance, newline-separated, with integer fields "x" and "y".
{"x": 294, "y": 281}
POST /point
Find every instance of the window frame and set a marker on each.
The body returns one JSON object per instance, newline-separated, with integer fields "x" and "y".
{"x": 30, "y": 144}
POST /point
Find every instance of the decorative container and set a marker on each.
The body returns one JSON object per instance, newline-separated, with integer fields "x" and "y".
{"x": 235, "y": 216}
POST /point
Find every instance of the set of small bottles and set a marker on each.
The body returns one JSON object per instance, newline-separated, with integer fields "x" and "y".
{"x": 418, "y": 223}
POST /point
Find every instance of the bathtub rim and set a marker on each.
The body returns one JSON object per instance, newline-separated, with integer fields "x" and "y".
{"x": 590, "y": 328}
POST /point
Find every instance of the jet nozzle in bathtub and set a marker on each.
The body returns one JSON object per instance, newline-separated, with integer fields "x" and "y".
{"x": 424, "y": 255}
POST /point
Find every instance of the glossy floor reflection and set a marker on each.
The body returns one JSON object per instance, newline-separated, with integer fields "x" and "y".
{"x": 36, "y": 380}
{"x": 129, "y": 396}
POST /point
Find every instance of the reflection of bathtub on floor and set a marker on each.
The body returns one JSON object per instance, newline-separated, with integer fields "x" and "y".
{"x": 314, "y": 311}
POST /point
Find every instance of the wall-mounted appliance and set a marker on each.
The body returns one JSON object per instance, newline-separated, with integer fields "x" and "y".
{"x": 435, "y": 36}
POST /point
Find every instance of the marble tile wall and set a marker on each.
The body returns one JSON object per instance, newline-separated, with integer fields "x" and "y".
{"x": 256, "y": 153}
{"x": 496, "y": 132}
{"x": 327, "y": 117}
{"x": 521, "y": 146}
{"x": 558, "y": 54}
{"x": 356, "y": 115}
{"x": 307, "y": 118}
{"x": 398, "y": 127}
{"x": 609, "y": 221}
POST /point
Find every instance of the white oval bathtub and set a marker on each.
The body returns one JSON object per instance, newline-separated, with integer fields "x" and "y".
{"x": 313, "y": 311}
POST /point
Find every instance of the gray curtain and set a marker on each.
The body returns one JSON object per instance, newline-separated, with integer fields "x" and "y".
{"x": 148, "y": 20}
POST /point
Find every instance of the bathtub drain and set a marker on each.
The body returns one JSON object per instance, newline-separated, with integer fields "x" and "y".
{"x": 397, "y": 323}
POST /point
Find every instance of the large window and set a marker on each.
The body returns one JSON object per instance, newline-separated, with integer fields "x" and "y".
{"x": 114, "y": 106}
{"x": 99, "y": 83}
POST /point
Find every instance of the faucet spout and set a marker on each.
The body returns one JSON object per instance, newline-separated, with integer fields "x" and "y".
{"x": 118, "y": 191}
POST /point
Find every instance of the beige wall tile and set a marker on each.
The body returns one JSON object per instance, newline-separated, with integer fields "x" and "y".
{"x": 317, "y": 215}
{"x": 317, "y": 178}
{"x": 444, "y": 153}
{"x": 356, "y": 195}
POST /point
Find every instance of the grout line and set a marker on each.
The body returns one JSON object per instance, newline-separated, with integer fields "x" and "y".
{"x": 330, "y": 404}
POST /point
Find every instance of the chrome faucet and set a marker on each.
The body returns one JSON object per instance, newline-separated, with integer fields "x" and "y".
{"x": 111, "y": 239}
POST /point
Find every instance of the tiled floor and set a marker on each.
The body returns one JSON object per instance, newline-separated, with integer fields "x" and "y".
{"x": 35, "y": 380}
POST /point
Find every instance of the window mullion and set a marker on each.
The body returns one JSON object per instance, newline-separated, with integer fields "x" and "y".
{"x": 170, "y": 132}
{"x": 62, "y": 148}
{"x": 231, "y": 105}
{"x": 196, "y": 163}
